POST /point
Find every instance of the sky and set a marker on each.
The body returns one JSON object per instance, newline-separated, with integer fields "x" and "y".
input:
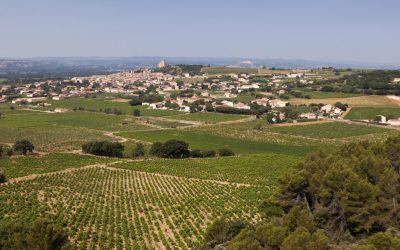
{"x": 327, "y": 30}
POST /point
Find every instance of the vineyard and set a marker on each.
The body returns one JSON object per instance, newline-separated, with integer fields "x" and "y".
{"x": 109, "y": 208}
{"x": 361, "y": 113}
{"x": 207, "y": 140}
{"x": 207, "y": 117}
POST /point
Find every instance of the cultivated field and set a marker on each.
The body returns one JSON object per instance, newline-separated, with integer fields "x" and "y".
{"x": 360, "y": 113}
{"x": 207, "y": 117}
{"x": 112, "y": 208}
{"x": 369, "y": 101}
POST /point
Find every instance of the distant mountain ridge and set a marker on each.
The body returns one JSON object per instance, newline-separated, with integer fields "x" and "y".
{"x": 112, "y": 64}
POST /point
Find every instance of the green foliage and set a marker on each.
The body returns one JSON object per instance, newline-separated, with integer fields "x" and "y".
{"x": 138, "y": 151}
{"x": 136, "y": 112}
{"x": 355, "y": 188}
{"x": 380, "y": 241}
{"x": 222, "y": 230}
{"x": 24, "y": 146}
{"x": 225, "y": 152}
{"x": 294, "y": 230}
{"x": 104, "y": 148}
{"x": 170, "y": 149}
{"x": 41, "y": 235}
{"x": 197, "y": 153}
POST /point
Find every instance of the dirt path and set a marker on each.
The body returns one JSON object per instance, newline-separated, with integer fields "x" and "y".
{"x": 118, "y": 138}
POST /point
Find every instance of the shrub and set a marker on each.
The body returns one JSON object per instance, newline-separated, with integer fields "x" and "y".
{"x": 196, "y": 153}
{"x": 1, "y": 151}
{"x": 10, "y": 152}
{"x": 138, "y": 151}
{"x": 171, "y": 149}
{"x": 225, "y": 152}
{"x": 209, "y": 153}
{"x": 136, "y": 112}
{"x": 23, "y": 146}
{"x": 40, "y": 235}
{"x": 104, "y": 148}
{"x": 135, "y": 101}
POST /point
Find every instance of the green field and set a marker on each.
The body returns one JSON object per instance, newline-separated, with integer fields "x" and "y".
{"x": 103, "y": 208}
{"x": 263, "y": 169}
{"x": 361, "y": 113}
{"x": 329, "y": 130}
{"x": 97, "y": 104}
{"x": 23, "y": 166}
{"x": 207, "y": 117}
{"x": 143, "y": 204}
{"x": 204, "y": 140}
{"x": 323, "y": 95}
{"x": 91, "y": 120}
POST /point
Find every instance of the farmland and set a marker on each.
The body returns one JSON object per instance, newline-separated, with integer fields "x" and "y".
{"x": 207, "y": 117}
{"x": 358, "y": 101}
{"x": 207, "y": 141}
{"x": 360, "y": 113}
{"x": 324, "y": 95}
{"x": 329, "y": 130}
{"x": 102, "y": 104}
{"x": 149, "y": 202}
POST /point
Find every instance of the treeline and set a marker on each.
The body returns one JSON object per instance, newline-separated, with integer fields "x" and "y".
{"x": 378, "y": 82}
{"x": 174, "y": 149}
{"x": 348, "y": 198}
{"x": 179, "y": 149}
{"x": 138, "y": 100}
{"x": 192, "y": 69}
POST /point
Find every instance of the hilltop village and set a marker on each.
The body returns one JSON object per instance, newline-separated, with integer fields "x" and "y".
{"x": 185, "y": 88}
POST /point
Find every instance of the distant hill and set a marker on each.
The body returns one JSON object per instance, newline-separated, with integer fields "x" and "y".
{"x": 96, "y": 65}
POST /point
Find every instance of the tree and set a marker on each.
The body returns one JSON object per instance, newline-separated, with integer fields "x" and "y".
{"x": 170, "y": 149}
{"x": 354, "y": 189}
{"x": 135, "y": 101}
{"x": 225, "y": 152}
{"x": 136, "y": 112}
{"x": 138, "y": 151}
{"x": 23, "y": 146}
{"x": 104, "y": 148}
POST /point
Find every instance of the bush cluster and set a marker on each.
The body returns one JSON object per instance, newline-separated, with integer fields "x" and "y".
{"x": 104, "y": 148}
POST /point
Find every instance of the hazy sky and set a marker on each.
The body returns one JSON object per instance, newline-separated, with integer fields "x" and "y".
{"x": 330, "y": 30}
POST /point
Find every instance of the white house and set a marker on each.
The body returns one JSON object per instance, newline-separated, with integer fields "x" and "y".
{"x": 276, "y": 103}
{"x": 327, "y": 108}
